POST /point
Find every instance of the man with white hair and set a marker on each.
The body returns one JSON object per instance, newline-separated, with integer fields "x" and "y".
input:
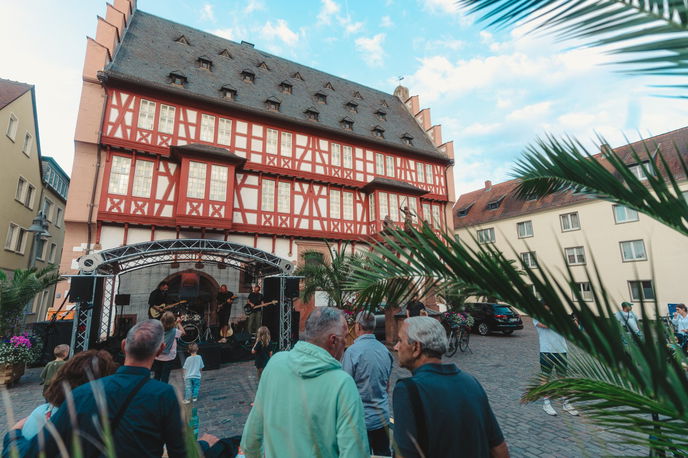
{"x": 440, "y": 411}
{"x": 370, "y": 364}
{"x": 306, "y": 405}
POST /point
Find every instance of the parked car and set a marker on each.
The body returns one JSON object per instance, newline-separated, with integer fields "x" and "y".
{"x": 380, "y": 319}
{"x": 491, "y": 317}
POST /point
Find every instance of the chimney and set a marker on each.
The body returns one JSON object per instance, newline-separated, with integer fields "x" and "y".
{"x": 488, "y": 185}
{"x": 402, "y": 93}
{"x": 246, "y": 43}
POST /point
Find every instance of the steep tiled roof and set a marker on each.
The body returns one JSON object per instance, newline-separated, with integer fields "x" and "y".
{"x": 11, "y": 90}
{"x": 150, "y": 50}
{"x": 511, "y": 206}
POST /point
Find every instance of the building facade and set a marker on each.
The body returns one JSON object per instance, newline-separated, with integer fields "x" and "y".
{"x": 637, "y": 257}
{"x": 182, "y": 134}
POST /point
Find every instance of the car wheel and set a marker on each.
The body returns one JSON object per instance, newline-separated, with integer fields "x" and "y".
{"x": 483, "y": 329}
{"x": 508, "y": 332}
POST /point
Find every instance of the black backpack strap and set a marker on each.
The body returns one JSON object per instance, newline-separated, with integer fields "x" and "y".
{"x": 127, "y": 401}
{"x": 419, "y": 415}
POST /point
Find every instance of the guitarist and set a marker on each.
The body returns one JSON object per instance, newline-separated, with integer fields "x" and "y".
{"x": 255, "y": 319}
{"x": 224, "y": 310}
{"x": 158, "y": 297}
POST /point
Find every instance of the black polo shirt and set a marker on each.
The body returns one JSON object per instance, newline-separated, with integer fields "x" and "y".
{"x": 458, "y": 418}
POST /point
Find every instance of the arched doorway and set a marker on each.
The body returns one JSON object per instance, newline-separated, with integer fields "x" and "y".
{"x": 196, "y": 287}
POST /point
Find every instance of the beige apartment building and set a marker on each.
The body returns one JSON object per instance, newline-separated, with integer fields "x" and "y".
{"x": 637, "y": 257}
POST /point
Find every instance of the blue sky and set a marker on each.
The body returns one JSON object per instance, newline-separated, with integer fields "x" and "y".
{"x": 492, "y": 91}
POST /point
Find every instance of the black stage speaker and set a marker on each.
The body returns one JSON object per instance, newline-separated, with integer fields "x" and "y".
{"x": 122, "y": 299}
{"x": 52, "y": 334}
{"x": 211, "y": 356}
{"x": 271, "y": 289}
{"x": 291, "y": 289}
{"x": 81, "y": 289}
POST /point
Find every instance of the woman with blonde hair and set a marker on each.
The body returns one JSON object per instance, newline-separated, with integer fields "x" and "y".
{"x": 262, "y": 349}
{"x": 162, "y": 366}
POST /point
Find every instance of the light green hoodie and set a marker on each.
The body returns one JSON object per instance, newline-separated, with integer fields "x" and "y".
{"x": 306, "y": 406}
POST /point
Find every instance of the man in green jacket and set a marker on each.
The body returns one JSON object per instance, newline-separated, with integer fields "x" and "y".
{"x": 306, "y": 405}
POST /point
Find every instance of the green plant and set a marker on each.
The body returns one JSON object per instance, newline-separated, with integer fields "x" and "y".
{"x": 20, "y": 349}
{"x": 16, "y": 292}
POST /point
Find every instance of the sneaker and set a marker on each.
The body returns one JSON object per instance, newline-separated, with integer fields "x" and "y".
{"x": 547, "y": 407}
{"x": 195, "y": 399}
{"x": 186, "y": 401}
{"x": 568, "y": 407}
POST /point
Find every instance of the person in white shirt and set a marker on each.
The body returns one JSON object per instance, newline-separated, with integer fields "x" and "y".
{"x": 680, "y": 322}
{"x": 553, "y": 355}
{"x": 192, "y": 374}
{"x": 628, "y": 320}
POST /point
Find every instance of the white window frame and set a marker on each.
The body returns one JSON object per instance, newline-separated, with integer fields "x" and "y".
{"x": 21, "y": 190}
{"x": 635, "y": 251}
{"x": 224, "y": 131}
{"x": 347, "y": 157}
{"x": 16, "y": 239}
{"x": 389, "y": 166}
{"x": 486, "y": 235}
{"x": 284, "y": 197}
{"x": 384, "y": 205}
{"x": 286, "y": 144}
{"x": 53, "y": 252}
{"x": 167, "y": 118}
{"x": 641, "y": 290}
{"x": 335, "y": 204}
{"x": 30, "y": 197}
{"x": 271, "y": 141}
{"x": 529, "y": 259}
{"x": 47, "y": 209}
{"x": 371, "y": 207}
{"x": 41, "y": 248}
{"x": 585, "y": 290}
{"x": 625, "y": 212}
{"x": 348, "y": 206}
{"x": 28, "y": 143}
{"x": 267, "y": 196}
{"x": 59, "y": 215}
{"x": 219, "y": 175}
{"x": 207, "y": 128}
{"x": 637, "y": 169}
{"x": 120, "y": 169}
{"x": 577, "y": 253}
{"x": 394, "y": 207}
{"x": 195, "y": 185}
{"x": 420, "y": 172}
{"x": 146, "y": 115}
{"x": 427, "y": 212}
{"x": 566, "y": 219}
{"x": 379, "y": 164}
{"x": 143, "y": 178}
{"x": 335, "y": 154}
{"x": 12, "y": 127}
{"x": 12, "y": 232}
{"x": 436, "y": 218}
{"x": 429, "y": 175}
{"x": 527, "y": 231}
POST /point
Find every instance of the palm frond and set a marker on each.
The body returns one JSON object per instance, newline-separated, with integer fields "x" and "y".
{"x": 661, "y": 24}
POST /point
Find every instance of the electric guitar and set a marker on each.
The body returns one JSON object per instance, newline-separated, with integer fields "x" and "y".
{"x": 248, "y": 309}
{"x": 221, "y": 305}
{"x": 156, "y": 311}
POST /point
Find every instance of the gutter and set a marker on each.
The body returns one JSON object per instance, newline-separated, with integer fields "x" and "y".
{"x": 91, "y": 204}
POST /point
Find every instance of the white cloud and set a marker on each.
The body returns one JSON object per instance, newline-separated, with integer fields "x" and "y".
{"x": 371, "y": 49}
{"x": 350, "y": 27}
{"x": 529, "y": 112}
{"x": 254, "y": 5}
{"x": 207, "y": 13}
{"x": 281, "y": 31}
{"x": 478, "y": 128}
{"x": 441, "y": 6}
{"x": 386, "y": 22}
{"x": 328, "y": 10}
{"x": 227, "y": 33}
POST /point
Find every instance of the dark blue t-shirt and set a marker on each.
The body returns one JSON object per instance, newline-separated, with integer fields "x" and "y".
{"x": 458, "y": 418}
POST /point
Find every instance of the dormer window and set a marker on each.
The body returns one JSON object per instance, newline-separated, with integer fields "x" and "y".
{"x": 461, "y": 212}
{"x": 357, "y": 95}
{"x": 352, "y": 106}
{"x": 225, "y": 53}
{"x": 347, "y": 123}
{"x": 320, "y": 97}
{"x": 328, "y": 85}
{"x": 205, "y": 62}
{"x": 494, "y": 204}
{"x": 248, "y": 76}
{"x": 384, "y": 103}
{"x": 178, "y": 78}
{"x": 407, "y": 139}
{"x": 378, "y": 131}
{"x": 312, "y": 114}
{"x": 297, "y": 76}
{"x": 264, "y": 66}
{"x": 182, "y": 39}
{"x": 381, "y": 115}
{"x": 286, "y": 87}
{"x": 273, "y": 104}
{"x": 228, "y": 92}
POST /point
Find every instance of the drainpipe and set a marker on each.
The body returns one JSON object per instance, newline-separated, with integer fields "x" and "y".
{"x": 95, "y": 178}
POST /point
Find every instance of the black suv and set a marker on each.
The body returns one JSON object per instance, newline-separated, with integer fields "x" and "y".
{"x": 494, "y": 317}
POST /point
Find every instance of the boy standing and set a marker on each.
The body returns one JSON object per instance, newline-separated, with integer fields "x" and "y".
{"x": 192, "y": 374}
{"x": 61, "y": 352}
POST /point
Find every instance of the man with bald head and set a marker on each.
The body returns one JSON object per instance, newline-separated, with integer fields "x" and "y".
{"x": 306, "y": 405}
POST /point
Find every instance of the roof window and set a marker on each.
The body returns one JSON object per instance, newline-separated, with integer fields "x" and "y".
{"x": 183, "y": 40}
{"x": 273, "y": 104}
{"x": 228, "y": 92}
{"x": 494, "y": 204}
{"x": 352, "y": 106}
{"x": 286, "y": 87}
{"x": 312, "y": 114}
{"x": 461, "y": 212}
{"x": 384, "y": 103}
{"x": 225, "y": 53}
{"x": 320, "y": 97}
{"x": 378, "y": 131}
{"x": 205, "y": 62}
{"x": 297, "y": 76}
{"x": 264, "y": 66}
{"x": 248, "y": 76}
{"x": 347, "y": 123}
{"x": 328, "y": 85}
{"x": 407, "y": 139}
{"x": 357, "y": 95}
{"x": 178, "y": 78}
{"x": 381, "y": 115}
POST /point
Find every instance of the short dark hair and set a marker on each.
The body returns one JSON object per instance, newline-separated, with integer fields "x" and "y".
{"x": 163, "y": 283}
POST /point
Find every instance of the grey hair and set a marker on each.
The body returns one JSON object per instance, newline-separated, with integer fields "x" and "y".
{"x": 366, "y": 321}
{"x": 144, "y": 339}
{"x": 321, "y": 322}
{"x": 429, "y": 333}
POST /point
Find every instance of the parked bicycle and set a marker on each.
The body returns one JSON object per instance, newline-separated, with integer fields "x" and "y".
{"x": 458, "y": 327}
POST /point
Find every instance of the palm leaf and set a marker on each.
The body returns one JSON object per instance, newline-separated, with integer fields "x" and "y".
{"x": 618, "y": 24}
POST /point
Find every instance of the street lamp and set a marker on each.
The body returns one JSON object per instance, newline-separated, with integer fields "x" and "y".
{"x": 39, "y": 228}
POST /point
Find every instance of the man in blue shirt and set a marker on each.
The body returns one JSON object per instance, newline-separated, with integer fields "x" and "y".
{"x": 370, "y": 364}
{"x": 144, "y": 414}
{"x": 441, "y": 411}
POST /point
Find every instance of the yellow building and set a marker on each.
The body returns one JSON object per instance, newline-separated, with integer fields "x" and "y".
{"x": 637, "y": 257}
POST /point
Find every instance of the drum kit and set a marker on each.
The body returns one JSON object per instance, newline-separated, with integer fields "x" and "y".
{"x": 192, "y": 324}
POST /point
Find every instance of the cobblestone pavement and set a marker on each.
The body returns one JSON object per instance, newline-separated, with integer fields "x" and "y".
{"x": 502, "y": 364}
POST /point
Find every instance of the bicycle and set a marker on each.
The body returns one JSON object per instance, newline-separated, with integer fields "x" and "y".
{"x": 458, "y": 339}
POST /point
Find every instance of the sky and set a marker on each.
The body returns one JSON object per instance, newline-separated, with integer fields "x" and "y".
{"x": 493, "y": 91}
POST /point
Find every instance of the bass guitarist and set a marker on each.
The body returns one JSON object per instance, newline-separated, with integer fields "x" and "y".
{"x": 225, "y": 299}
{"x": 158, "y": 298}
{"x": 255, "y": 319}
